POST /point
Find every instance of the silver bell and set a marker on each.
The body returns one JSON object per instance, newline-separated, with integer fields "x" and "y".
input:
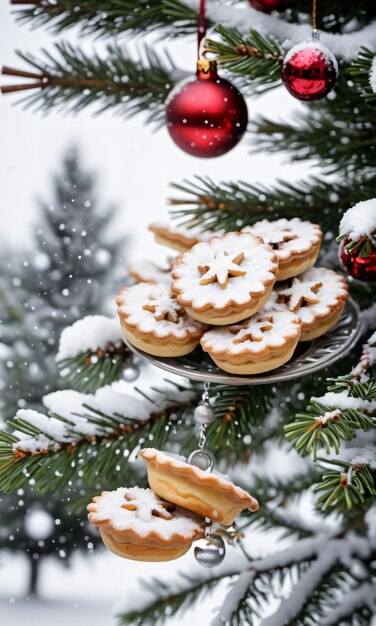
{"x": 211, "y": 551}
{"x": 130, "y": 371}
{"x": 203, "y": 414}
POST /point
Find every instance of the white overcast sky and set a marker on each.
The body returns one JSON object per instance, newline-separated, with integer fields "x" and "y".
{"x": 134, "y": 164}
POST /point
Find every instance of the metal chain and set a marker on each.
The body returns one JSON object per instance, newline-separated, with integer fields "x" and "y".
{"x": 205, "y": 395}
{"x": 202, "y": 430}
{"x": 202, "y": 437}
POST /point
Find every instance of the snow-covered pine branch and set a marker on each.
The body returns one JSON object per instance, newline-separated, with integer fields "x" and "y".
{"x": 330, "y": 422}
{"x": 243, "y": 17}
{"x": 81, "y": 433}
{"x": 322, "y": 553}
{"x": 91, "y": 353}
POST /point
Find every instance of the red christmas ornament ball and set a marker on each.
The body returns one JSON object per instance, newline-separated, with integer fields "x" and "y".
{"x": 206, "y": 116}
{"x": 309, "y": 71}
{"x": 267, "y": 6}
{"x": 362, "y": 268}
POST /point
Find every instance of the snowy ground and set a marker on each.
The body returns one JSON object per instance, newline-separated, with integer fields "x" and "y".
{"x": 84, "y": 595}
{"x": 135, "y": 168}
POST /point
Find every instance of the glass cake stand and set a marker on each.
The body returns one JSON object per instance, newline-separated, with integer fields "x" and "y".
{"x": 308, "y": 358}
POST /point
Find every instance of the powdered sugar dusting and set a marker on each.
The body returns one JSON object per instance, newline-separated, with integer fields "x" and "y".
{"x": 314, "y": 294}
{"x": 258, "y": 266}
{"x": 133, "y": 300}
{"x": 260, "y": 333}
{"x": 149, "y": 272}
{"x": 288, "y": 237}
{"x": 360, "y": 220}
{"x": 149, "y": 514}
{"x": 89, "y": 333}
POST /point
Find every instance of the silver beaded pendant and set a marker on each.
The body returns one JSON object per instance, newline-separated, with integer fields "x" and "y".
{"x": 210, "y": 551}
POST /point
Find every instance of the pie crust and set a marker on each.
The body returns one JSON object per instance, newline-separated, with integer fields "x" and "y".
{"x": 225, "y": 279}
{"x": 205, "y": 493}
{"x": 318, "y": 298}
{"x": 153, "y": 321}
{"x": 136, "y": 524}
{"x": 180, "y": 238}
{"x": 261, "y": 343}
{"x": 296, "y": 243}
{"x": 149, "y": 272}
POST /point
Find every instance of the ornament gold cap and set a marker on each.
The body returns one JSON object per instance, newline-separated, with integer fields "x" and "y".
{"x": 204, "y": 66}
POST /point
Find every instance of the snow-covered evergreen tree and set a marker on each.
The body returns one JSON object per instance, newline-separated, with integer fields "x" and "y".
{"x": 68, "y": 271}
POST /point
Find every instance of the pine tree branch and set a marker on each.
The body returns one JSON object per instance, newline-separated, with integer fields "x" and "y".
{"x": 251, "y": 56}
{"x": 238, "y": 413}
{"x": 164, "y": 600}
{"x": 335, "y": 418}
{"x": 329, "y": 132}
{"x": 109, "y": 17}
{"x": 52, "y": 460}
{"x": 71, "y": 80}
{"x": 321, "y": 426}
{"x": 352, "y": 603}
{"x": 360, "y": 72}
{"x": 233, "y": 205}
{"x": 344, "y": 488}
{"x": 323, "y": 138}
{"x": 88, "y": 371}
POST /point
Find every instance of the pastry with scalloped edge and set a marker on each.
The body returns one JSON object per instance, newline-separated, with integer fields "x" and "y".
{"x": 205, "y": 493}
{"x": 154, "y": 321}
{"x": 149, "y": 272}
{"x": 226, "y": 279}
{"x": 136, "y": 524}
{"x": 180, "y": 238}
{"x": 318, "y": 297}
{"x": 259, "y": 344}
{"x": 296, "y": 243}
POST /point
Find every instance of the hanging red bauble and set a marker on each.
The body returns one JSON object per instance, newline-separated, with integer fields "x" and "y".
{"x": 267, "y": 6}
{"x": 360, "y": 267}
{"x": 206, "y": 116}
{"x": 309, "y": 70}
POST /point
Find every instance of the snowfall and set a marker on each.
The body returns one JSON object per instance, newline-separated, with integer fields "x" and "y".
{"x": 136, "y": 167}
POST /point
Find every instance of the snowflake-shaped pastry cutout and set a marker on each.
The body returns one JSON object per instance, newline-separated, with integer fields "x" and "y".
{"x": 273, "y": 233}
{"x": 164, "y": 308}
{"x": 221, "y": 268}
{"x": 254, "y": 331}
{"x": 299, "y": 293}
{"x": 147, "y": 505}
{"x": 276, "y": 239}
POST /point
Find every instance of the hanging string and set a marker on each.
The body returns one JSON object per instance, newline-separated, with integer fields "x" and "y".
{"x": 314, "y": 16}
{"x": 201, "y": 26}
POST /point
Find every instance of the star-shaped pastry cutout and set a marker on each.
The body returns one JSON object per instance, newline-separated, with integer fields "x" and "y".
{"x": 165, "y": 308}
{"x": 299, "y": 293}
{"x": 221, "y": 268}
{"x": 254, "y": 331}
{"x": 147, "y": 506}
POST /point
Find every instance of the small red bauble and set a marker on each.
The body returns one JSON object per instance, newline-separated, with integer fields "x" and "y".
{"x": 309, "y": 70}
{"x": 206, "y": 116}
{"x": 362, "y": 268}
{"x": 267, "y": 6}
